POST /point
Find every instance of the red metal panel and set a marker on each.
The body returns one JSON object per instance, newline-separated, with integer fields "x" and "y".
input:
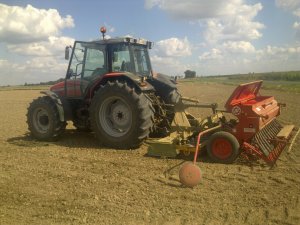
{"x": 58, "y": 88}
{"x": 253, "y": 111}
{"x": 242, "y": 93}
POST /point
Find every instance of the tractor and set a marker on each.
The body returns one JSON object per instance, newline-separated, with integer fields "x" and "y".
{"x": 109, "y": 89}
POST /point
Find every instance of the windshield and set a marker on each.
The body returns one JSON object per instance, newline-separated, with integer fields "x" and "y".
{"x": 141, "y": 61}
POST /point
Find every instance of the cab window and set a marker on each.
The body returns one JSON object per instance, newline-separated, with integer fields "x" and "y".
{"x": 141, "y": 61}
{"x": 76, "y": 65}
{"x": 95, "y": 63}
{"x": 121, "y": 59}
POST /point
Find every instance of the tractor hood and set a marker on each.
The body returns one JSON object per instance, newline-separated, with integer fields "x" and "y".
{"x": 59, "y": 88}
{"x": 243, "y": 93}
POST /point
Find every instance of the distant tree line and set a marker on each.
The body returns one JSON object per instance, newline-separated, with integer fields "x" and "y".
{"x": 276, "y": 76}
{"x": 45, "y": 83}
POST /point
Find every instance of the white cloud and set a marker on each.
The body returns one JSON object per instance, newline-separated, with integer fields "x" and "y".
{"x": 194, "y": 9}
{"x": 166, "y": 55}
{"x": 297, "y": 12}
{"x": 29, "y": 24}
{"x": 238, "y": 47}
{"x": 296, "y": 25}
{"x": 239, "y": 26}
{"x": 288, "y": 4}
{"x": 292, "y": 6}
{"x": 168, "y": 65}
{"x": 34, "y": 44}
{"x": 228, "y": 50}
{"x": 240, "y": 57}
{"x": 173, "y": 47}
{"x": 279, "y": 52}
{"x": 34, "y": 70}
{"x": 278, "y": 58}
{"x": 223, "y": 20}
{"x": 215, "y": 53}
{"x": 53, "y": 47}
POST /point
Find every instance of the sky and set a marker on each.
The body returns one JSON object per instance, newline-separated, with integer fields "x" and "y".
{"x": 213, "y": 37}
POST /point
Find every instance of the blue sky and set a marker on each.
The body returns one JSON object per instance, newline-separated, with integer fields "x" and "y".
{"x": 211, "y": 37}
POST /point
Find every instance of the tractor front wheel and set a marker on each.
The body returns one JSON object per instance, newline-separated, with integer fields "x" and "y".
{"x": 43, "y": 119}
{"x": 223, "y": 147}
{"x": 121, "y": 117}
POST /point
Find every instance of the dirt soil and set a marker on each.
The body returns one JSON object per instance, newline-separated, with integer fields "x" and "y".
{"x": 76, "y": 181}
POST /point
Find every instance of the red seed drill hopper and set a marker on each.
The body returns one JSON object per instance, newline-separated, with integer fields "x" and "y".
{"x": 258, "y": 131}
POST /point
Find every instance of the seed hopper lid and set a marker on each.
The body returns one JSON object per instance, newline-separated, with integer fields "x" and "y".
{"x": 243, "y": 93}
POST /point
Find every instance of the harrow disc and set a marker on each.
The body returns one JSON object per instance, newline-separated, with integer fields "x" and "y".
{"x": 190, "y": 175}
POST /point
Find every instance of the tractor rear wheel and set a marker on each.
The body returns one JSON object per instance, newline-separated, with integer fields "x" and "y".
{"x": 223, "y": 147}
{"x": 43, "y": 119}
{"x": 121, "y": 117}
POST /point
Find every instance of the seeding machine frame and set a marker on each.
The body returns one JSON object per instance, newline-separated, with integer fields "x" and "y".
{"x": 252, "y": 131}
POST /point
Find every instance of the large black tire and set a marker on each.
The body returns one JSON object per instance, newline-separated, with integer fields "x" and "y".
{"x": 120, "y": 117}
{"x": 223, "y": 147}
{"x": 43, "y": 119}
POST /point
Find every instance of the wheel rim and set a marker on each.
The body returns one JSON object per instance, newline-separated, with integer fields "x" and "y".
{"x": 41, "y": 120}
{"x": 222, "y": 148}
{"x": 115, "y": 116}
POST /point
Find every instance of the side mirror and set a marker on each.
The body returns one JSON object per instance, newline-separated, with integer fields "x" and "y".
{"x": 67, "y": 52}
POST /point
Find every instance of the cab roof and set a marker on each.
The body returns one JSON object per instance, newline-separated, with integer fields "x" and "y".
{"x": 131, "y": 40}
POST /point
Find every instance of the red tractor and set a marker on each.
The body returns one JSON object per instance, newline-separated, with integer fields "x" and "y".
{"x": 109, "y": 88}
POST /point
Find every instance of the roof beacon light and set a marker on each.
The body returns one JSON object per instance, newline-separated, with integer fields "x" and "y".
{"x": 103, "y": 31}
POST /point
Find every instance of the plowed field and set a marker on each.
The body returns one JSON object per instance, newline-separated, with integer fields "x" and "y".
{"x": 76, "y": 181}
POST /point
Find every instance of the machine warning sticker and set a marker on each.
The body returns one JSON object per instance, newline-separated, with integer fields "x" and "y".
{"x": 236, "y": 110}
{"x": 249, "y": 130}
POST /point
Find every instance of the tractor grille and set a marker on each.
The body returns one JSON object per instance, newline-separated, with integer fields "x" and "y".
{"x": 263, "y": 138}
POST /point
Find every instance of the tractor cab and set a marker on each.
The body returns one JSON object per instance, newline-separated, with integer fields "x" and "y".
{"x": 90, "y": 62}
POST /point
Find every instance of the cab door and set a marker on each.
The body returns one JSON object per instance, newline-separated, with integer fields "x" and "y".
{"x": 95, "y": 65}
{"x": 88, "y": 63}
{"x": 75, "y": 70}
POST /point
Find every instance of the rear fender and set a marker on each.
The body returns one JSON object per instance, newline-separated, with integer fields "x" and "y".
{"x": 131, "y": 79}
{"x": 165, "y": 80}
{"x": 61, "y": 105}
{"x": 162, "y": 83}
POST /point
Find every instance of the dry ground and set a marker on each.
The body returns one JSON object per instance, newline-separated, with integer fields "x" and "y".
{"x": 75, "y": 181}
